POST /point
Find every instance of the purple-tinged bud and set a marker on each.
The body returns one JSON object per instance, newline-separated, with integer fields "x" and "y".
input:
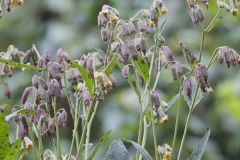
{"x": 62, "y": 118}
{"x": 35, "y": 56}
{"x": 6, "y": 90}
{"x": 125, "y": 71}
{"x": 37, "y": 95}
{"x": 128, "y": 28}
{"x": 86, "y": 96}
{"x": 51, "y": 126}
{"x": 198, "y": 72}
{"x": 196, "y": 14}
{"x": 168, "y": 53}
{"x": 54, "y": 88}
{"x": 105, "y": 34}
{"x": 22, "y": 127}
{"x": 155, "y": 100}
{"x": 43, "y": 83}
{"x": 178, "y": 69}
{"x": 62, "y": 56}
{"x": 102, "y": 19}
{"x": 40, "y": 62}
{"x": 28, "y": 106}
{"x": 46, "y": 57}
{"x": 124, "y": 50}
{"x": 174, "y": 74}
{"x": 27, "y": 56}
{"x": 228, "y": 55}
{"x": 89, "y": 64}
{"x": 137, "y": 43}
{"x": 134, "y": 52}
{"x": 187, "y": 87}
{"x": 202, "y": 77}
{"x": 35, "y": 81}
{"x": 204, "y": 72}
{"x": 54, "y": 70}
{"x": 39, "y": 113}
{"x": 221, "y": 54}
{"x": 188, "y": 53}
{"x": 142, "y": 27}
{"x": 26, "y": 94}
{"x": 8, "y": 70}
{"x": 223, "y": 5}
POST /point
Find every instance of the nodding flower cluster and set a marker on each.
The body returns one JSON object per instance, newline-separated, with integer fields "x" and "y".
{"x": 232, "y": 6}
{"x": 166, "y": 151}
{"x": 228, "y": 56}
{"x": 8, "y": 4}
{"x": 158, "y": 107}
{"x": 201, "y": 75}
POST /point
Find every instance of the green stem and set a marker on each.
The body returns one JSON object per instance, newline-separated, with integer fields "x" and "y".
{"x": 58, "y": 149}
{"x": 177, "y": 119}
{"x": 33, "y": 142}
{"x": 187, "y": 123}
{"x": 201, "y": 45}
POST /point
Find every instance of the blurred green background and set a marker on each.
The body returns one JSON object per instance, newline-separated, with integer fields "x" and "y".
{"x": 72, "y": 25}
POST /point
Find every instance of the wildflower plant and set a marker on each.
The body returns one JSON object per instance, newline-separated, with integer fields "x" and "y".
{"x": 138, "y": 48}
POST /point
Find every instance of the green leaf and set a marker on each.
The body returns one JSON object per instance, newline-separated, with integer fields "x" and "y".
{"x": 194, "y": 89}
{"x": 111, "y": 66}
{"x": 117, "y": 151}
{"x": 7, "y": 151}
{"x": 148, "y": 115}
{"x": 26, "y": 112}
{"x": 142, "y": 68}
{"x": 20, "y": 65}
{"x": 4, "y": 133}
{"x": 142, "y": 151}
{"x": 87, "y": 76}
{"x": 14, "y": 150}
{"x": 171, "y": 102}
{"x": 200, "y": 148}
{"x": 102, "y": 140}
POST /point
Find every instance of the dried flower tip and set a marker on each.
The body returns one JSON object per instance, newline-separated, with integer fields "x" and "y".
{"x": 163, "y": 10}
{"x": 62, "y": 56}
{"x": 187, "y": 87}
{"x": 128, "y": 28}
{"x": 27, "y": 142}
{"x": 188, "y": 53}
{"x": 223, "y": 5}
{"x": 43, "y": 83}
{"x": 27, "y": 56}
{"x": 196, "y": 14}
{"x": 105, "y": 34}
{"x": 125, "y": 71}
{"x": 54, "y": 88}
{"x": 25, "y": 94}
{"x": 6, "y": 90}
{"x": 35, "y": 81}
{"x": 86, "y": 96}
{"x": 54, "y": 70}
{"x": 62, "y": 118}
{"x": 124, "y": 50}
{"x": 168, "y": 53}
{"x": 164, "y": 119}
{"x": 155, "y": 100}
{"x": 234, "y": 11}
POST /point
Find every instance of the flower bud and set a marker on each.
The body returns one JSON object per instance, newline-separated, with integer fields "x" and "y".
{"x": 168, "y": 53}
{"x": 223, "y": 5}
{"x": 162, "y": 115}
{"x": 27, "y": 56}
{"x": 39, "y": 113}
{"x": 86, "y": 96}
{"x": 46, "y": 57}
{"x": 35, "y": 81}
{"x": 6, "y": 90}
{"x": 27, "y": 142}
{"x": 28, "y": 106}
{"x": 54, "y": 70}
{"x": 125, "y": 71}
{"x": 201, "y": 74}
{"x": 166, "y": 151}
{"x": 128, "y": 28}
{"x": 155, "y": 100}
{"x": 187, "y": 87}
{"x": 124, "y": 50}
{"x": 89, "y": 64}
{"x": 37, "y": 95}
{"x": 43, "y": 83}
{"x": 62, "y": 118}
{"x": 142, "y": 27}
{"x": 196, "y": 14}
{"x": 54, "y": 88}
{"x": 62, "y": 56}
{"x": 26, "y": 94}
{"x": 51, "y": 126}
{"x": 105, "y": 34}
{"x": 188, "y": 53}
{"x": 22, "y": 127}
{"x": 102, "y": 19}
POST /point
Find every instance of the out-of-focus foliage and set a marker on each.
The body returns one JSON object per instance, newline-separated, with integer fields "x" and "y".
{"x": 72, "y": 25}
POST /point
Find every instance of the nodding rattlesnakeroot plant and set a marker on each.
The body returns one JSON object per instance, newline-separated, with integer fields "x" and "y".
{"x": 136, "y": 46}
